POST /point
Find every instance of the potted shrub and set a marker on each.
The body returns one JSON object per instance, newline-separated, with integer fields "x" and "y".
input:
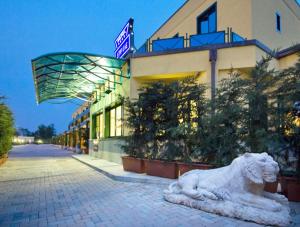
{"x": 288, "y": 127}
{"x": 185, "y": 167}
{"x": 290, "y": 180}
{"x": 160, "y": 160}
{"x": 271, "y": 186}
{"x": 135, "y": 143}
{"x": 161, "y": 168}
{"x": 133, "y": 161}
{"x": 290, "y": 186}
{"x": 133, "y": 164}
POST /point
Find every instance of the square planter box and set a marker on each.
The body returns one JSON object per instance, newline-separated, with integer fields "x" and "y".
{"x": 132, "y": 164}
{"x": 161, "y": 168}
{"x": 271, "y": 187}
{"x": 291, "y": 188}
{"x": 185, "y": 167}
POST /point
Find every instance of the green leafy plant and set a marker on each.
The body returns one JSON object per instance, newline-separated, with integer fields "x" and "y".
{"x": 163, "y": 120}
{"x": 6, "y": 127}
{"x": 222, "y": 130}
{"x": 259, "y": 85}
{"x": 286, "y": 118}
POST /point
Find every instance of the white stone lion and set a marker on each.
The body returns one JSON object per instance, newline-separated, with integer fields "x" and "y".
{"x": 240, "y": 185}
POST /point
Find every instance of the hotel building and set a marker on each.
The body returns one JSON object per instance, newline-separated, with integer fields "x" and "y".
{"x": 203, "y": 38}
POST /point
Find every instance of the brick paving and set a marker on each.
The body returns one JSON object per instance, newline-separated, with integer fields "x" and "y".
{"x": 41, "y": 185}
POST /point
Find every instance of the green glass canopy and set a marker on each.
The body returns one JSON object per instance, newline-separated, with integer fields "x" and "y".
{"x": 74, "y": 75}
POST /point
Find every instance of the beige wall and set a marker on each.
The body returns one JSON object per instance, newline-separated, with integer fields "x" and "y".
{"x": 170, "y": 64}
{"x": 229, "y": 14}
{"x": 264, "y": 23}
{"x": 252, "y": 19}
{"x": 288, "y": 61}
{"x": 179, "y": 65}
{"x": 196, "y": 61}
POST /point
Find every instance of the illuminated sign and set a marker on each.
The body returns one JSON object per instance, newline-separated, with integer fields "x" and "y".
{"x": 123, "y": 42}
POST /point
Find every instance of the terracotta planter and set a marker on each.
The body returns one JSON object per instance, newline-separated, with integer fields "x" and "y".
{"x": 161, "y": 168}
{"x": 271, "y": 187}
{"x": 185, "y": 167}
{"x": 291, "y": 188}
{"x": 132, "y": 164}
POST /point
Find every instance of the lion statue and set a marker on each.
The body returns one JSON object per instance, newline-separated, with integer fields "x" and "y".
{"x": 236, "y": 187}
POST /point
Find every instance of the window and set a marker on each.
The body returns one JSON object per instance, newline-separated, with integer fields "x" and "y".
{"x": 278, "y": 22}
{"x": 112, "y": 116}
{"x": 207, "y": 21}
{"x": 115, "y": 122}
{"x": 119, "y": 121}
{"x": 99, "y": 126}
{"x": 176, "y": 35}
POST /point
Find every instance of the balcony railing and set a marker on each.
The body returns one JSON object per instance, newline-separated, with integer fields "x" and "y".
{"x": 168, "y": 44}
{"x": 198, "y": 40}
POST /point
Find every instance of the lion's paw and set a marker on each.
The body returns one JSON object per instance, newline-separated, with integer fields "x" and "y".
{"x": 275, "y": 206}
{"x": 207, "y": 194}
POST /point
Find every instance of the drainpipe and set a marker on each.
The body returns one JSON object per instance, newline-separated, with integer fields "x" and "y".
{"x": 213, "y": 59}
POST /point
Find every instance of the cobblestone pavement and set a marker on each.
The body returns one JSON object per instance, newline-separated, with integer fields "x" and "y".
{"x": 41, "y": 185}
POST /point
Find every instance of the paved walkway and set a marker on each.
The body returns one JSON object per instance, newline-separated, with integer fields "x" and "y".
{"x": 41, "y": 185}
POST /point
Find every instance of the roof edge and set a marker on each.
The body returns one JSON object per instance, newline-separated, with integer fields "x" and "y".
{"x": 163, "y": 24}
{"x": 71, "y": 52}
{"x": 289, "y": 51}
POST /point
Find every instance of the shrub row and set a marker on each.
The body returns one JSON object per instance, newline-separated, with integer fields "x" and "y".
{"x": 257, "y": 112}
{"x": 6, "y": 128}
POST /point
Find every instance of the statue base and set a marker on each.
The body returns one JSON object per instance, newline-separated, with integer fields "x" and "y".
{"x": 234, "y": 210}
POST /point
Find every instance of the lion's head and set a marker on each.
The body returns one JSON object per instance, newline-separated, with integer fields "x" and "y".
{"x": 260, "y": 168}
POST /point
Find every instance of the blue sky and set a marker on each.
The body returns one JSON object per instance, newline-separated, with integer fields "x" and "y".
{"x": 32, "y": 28}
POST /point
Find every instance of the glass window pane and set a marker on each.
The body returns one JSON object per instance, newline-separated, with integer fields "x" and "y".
{"x": 207, "y": 21}
{"x": 113, "y": 122}
{"x": 212, "y": 22}
{"x": 278, "y": 22}
{"x": 97, "y": 126}
{"x": 112, "y": 82}
{"x": 119, "y": 121}
{"x": 101, "y": 126}
{"x": 204, "y": 26}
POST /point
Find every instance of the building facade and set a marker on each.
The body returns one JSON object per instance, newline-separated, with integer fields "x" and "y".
{"x": 203, "y": 38}
{"x": 77, "y": 136}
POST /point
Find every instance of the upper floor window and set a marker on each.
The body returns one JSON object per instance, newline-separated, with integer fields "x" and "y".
{"x": 207, "y": 21}
{"x": 278, "y": 22}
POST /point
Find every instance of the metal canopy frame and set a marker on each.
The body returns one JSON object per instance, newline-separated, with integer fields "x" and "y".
{"x": 72, "y": 75}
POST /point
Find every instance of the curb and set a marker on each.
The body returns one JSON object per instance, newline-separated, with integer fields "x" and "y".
{"x": 159, "y": 180}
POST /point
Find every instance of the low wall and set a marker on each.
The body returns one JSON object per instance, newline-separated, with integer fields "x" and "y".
{"x": 108, "y": 149}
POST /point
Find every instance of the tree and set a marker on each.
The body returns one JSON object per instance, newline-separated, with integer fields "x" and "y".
{"x": 136, "y": 142}
{"x": 163, "y": 120}
{"x": 187, "y": 107}
{"x": 45, "y": 132}
{"x": 259, "y": 86}
{"x": 6, "y": 127}
{"x": 24, "y": 132}
{"x": 287, "y": 112}
{"x": 222, "y": 132}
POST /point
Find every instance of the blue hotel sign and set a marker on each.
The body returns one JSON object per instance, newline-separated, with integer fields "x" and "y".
{"x": 124, "y": 41}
